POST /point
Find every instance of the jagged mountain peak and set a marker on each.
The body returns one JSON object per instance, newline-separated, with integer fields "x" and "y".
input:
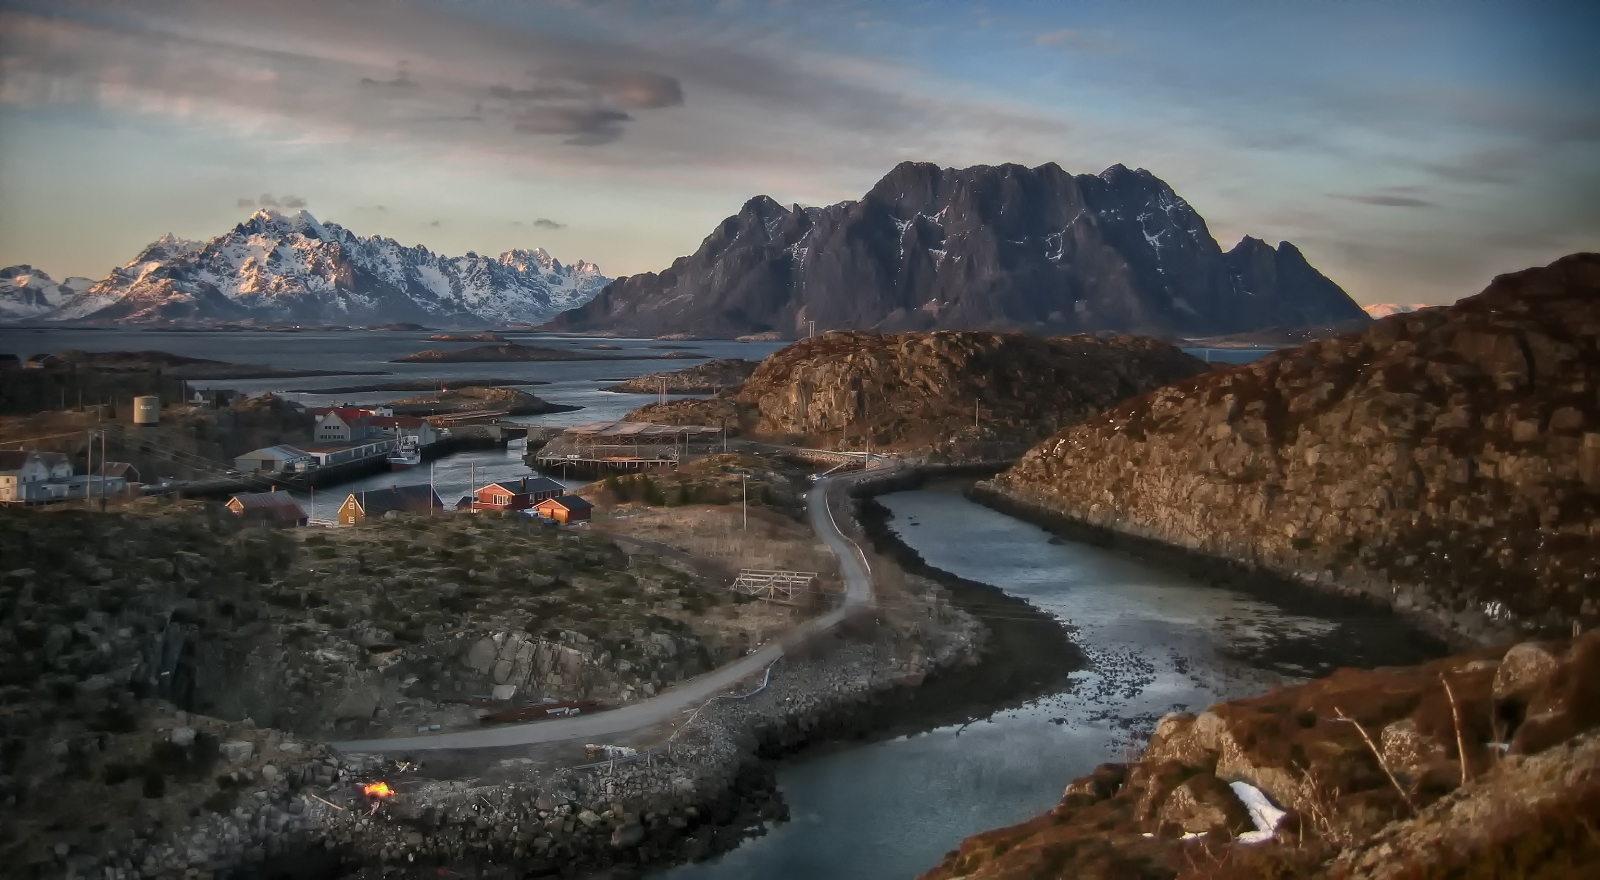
{"x": 281, "y": 267}
{"x": 985, "y": 247}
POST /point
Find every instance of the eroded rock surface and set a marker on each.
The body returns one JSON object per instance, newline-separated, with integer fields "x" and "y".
{"x": 1445, "y": 461}
{"x": 935, "y": 391}
{"x": 1446, "y": 794}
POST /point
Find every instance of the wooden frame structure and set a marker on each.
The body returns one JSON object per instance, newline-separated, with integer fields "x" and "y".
{"x": 774, "y": 586}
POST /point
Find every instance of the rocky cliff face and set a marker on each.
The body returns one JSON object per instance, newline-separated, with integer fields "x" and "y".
{"x": 932, "y": 390}
{"x": 1447, "y": 461}
{"x": 1481, "y": 764}
{"x": 1003, "y": 247}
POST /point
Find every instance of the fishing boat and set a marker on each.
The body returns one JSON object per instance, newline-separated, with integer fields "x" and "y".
{"x": 407, "y": 455}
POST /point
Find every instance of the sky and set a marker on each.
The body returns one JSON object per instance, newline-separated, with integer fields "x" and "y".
{"x": 1413, "y": 149}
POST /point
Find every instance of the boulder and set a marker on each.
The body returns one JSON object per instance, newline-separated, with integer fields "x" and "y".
{"x": 1203, "y": 803}
{"x": 237, "y": 750}
{"x": 1524, "y": 669}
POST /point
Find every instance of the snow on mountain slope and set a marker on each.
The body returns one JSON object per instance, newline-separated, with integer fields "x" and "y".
{"x": 26, "y": 292}
{"x": 1384, "y": 310}
{"x": 278, "y": 268}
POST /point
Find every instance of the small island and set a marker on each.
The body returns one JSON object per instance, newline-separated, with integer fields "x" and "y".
{"x": 489, "y": 400}
{"x": 707, "y": 378}
{"x": 417, "y": 385}
{"x": 514, "y": 352}
{"x": 466, "y": 337}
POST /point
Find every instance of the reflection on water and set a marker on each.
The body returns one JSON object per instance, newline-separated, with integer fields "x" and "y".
{"x": 1157, "y": 640}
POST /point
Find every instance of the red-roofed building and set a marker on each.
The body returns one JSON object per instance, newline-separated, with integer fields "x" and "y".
{"x": 342, "y": 424}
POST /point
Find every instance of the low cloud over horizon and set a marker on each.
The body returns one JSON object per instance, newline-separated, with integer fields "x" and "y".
{"x": 1359, "y": 133}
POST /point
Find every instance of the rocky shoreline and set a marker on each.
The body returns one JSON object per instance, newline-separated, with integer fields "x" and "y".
{"x": 1202, "y": 566}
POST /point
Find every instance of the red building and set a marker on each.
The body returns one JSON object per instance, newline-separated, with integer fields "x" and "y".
{"x": 516, "y": 494}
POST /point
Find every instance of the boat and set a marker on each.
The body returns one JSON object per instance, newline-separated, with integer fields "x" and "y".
{"x": 407, "y": 455}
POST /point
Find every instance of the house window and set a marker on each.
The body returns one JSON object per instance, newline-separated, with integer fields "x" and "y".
{"x": 502, "y": 499}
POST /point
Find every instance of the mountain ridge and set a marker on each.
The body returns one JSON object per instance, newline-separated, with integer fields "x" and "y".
{"x": 988, "y": 247}
{"x": 292, "y": 268}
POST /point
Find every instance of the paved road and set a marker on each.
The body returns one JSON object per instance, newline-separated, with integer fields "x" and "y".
{"x": 674, "y": 702}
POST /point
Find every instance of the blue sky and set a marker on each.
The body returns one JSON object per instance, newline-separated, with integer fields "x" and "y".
{"x": 1412, "y": 149}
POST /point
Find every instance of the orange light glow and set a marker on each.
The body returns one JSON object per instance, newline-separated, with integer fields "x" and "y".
{"x": 378, "y": 790}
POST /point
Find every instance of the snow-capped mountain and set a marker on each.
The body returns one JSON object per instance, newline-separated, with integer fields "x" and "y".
{"x": 1384, "y": 310}
{"x": 291, "y": 268}
{"x": 26, "y": 292}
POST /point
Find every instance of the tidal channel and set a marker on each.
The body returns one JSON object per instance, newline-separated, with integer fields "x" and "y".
{"x": 1156, "y": 640}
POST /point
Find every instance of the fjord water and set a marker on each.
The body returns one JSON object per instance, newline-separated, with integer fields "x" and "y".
{"x": 573, "y": 383}
{"x": 1157, "y": 641}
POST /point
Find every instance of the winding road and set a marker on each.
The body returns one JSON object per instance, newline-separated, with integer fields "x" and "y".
{"x": 674, "y": 702}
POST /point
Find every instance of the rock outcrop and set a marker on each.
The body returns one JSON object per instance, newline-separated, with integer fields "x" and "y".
{"x": 934, "y": 391}
{"x": 1400, "y": 772}
{"x": 982, "y": 248}
{"x": 707, "y": 378}
{"x": 1445, "y": 461}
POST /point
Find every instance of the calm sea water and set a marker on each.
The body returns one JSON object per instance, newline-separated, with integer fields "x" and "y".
{"x": 575, "y": 383}
{"x": 1157, "y": 641}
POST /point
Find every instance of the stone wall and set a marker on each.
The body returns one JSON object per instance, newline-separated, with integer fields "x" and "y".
{"x": 1446, "y": 462}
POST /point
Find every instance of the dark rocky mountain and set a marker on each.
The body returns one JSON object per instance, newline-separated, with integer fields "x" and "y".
{"x": 1445, "y": 461}
{"x": 988, "y": 247}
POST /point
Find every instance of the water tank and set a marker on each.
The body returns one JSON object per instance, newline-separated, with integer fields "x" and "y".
{"x": 146, "y": 410}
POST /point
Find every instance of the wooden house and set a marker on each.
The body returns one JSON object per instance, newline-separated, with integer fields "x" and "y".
{"x": 273, "y": 507}
{"x": 565, "y": 509}
{"x": 516, "y": 494}
{"x": 374, "y": 503}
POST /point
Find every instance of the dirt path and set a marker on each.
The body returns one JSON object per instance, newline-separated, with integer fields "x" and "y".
{"x": 684, "y": 697}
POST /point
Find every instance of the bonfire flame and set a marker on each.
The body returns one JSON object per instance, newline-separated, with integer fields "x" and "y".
{"x": 378, "y": 790}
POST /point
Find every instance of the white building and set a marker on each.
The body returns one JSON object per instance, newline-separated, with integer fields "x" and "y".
{"x": 19, "y": 470}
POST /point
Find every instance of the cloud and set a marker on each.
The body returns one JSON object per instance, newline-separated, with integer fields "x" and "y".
{"x": 292, "y": 202}
{"x": 245, "y": 203}
{"x": 543, "y": 223}
{"x": 1385, "y": 201}
{"x": 585, "y": 125}
{"x": 436, "y": 223}
{"x": 329, "y": 70}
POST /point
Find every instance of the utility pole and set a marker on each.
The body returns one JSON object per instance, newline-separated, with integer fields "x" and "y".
{"x": 88, "y": 444}
{"x": 811, "y": 329}
{"x": 102, "y": 471}
{"x": 744, "y": 488}
{"x": 663, "y": 400}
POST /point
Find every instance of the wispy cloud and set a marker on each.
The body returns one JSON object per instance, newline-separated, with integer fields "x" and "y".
{"x": 1384, "y": 201}
{"x": 545, "y": 223}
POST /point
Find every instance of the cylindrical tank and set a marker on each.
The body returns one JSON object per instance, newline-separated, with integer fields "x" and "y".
{"x": 146, "y": 410}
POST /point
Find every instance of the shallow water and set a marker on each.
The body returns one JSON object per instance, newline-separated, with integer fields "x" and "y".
{"x": 1157, "y": 642}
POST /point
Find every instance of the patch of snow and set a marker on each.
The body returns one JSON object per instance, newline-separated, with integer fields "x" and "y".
{"x": 1384, "y": 310}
